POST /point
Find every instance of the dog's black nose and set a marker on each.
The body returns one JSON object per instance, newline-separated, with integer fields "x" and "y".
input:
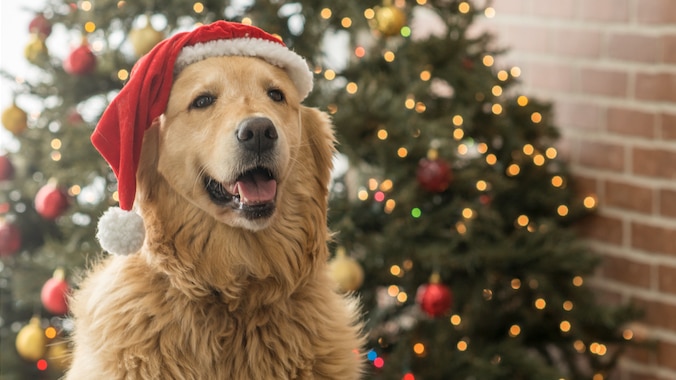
{"x": 257, "y": 134}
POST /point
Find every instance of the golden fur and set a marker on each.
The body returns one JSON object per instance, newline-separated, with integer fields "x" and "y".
{"x": 212, "y": 294}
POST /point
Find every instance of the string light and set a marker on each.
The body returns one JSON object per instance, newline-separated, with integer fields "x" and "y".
{"x": 487, "y": 294}
{"x": 567, "y": 305}
{"x": 425, "y": 75}
{"x": 579, "y": 346}
{"x": 522, "y": 100}
{"x": 458, "y": 134}
{"x": 628, "y": 334}
{"x": 198, "y": 7}
{"x": 551, "y": 153}
{"x": 467, "y": 213}
{"x": 491, "y": 159}
{"x": 325, "y": 13}
{"x": 55, "y": 144}
{"x": 481, "y": 185}
{"x": 540, "y": 303}
{"x": 419, "y": 349}
{"x": 362, "y": 195}
{"x": 351, "y": 88}
{"x": 74, "y": 190}
{"x": 55, "y": 156}
{"x": 386, "y": 185}
{"x": 462, "y": 345}
{"x": 329, "y": 74}
{"x": 482, "y": 148}
{"x": 89, "y": 27}
{"x": 589, "y": 202}
{"x": 522, "y": 220}
{"x": 50, "y": 332}
{"x": 496, "y": 109}
{"x": 369, "y": 13}
{"x": 489, "y": 12}
{"x": 373, "y": 184}
{"x": 416, "y": 212}
{"x": 408, "y": 376}
{"x": 528, "y": 149}
{"x": 395, "y": 270}
{"x": 562, "y": 210}
{"x": 455, "y": 320}
{"x": 462, "y": 149}
{"x": 248, "y": 21}
{"x": 42, "y": 365}
{"x": 86, "y": 6}
{"x": 457, "y": 120}
{"x": 420, "y": 107}
{"x": 515, "y": 71}
{"x": 360, "y": 52}
{"x": 402, "y": 152}
{"x": 461, "y": 228}
{"x": 393, "y": 290}
{"x": 488, "y": 60}
{"x": 502, "y": 75}
{"x": 564, "y": 326}
{"x": 346, "y": 22}
{"x": 388, "y": 56}
{"x": 389, "y": 206}
{"x": 536, "y": 117}
{"x": 409, "y": 102}
{"x": 578, "y": 281}
{"x": 539, "y": 160}
{"x": 463, "y": 7}
{"x": 513, "y": 170}
{"x": 557, "y": 181}
{"x": 402, "y": 297}
{"x": 515, "y": 283}
{"x": 123, "y": 74}
{"x": 421, "y": 2}
{"x": 598, "y": 348}
{"x": 496, "y": 90}
{"x": 514, "y": 331}
{"x": 405, "y": 31}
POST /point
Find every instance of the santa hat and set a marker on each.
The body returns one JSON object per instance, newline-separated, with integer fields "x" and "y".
{"x": 119, "y": 134}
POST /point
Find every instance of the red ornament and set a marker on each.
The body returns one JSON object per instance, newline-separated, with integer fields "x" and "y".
{"x": 40, "y": 26}
{"x": 434, "y": 298}
{"x": 10, "y": 238}
{"x": 81, "y": 60}
{"x": 54, "y": 293}
{"x": 51, "y": 201}
{"x": 6, "y": 168}
{"x": 434, "y": 174}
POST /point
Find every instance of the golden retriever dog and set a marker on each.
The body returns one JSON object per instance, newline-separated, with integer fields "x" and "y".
{"x": 231, "y": 282}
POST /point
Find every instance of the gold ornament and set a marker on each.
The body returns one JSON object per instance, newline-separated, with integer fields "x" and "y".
{"x": 36, "y": 50}
{"x": 144, "y": 39}
{"x": 31, "y": 342}
{"x": 14, "y": 119}
{"x": 346, "y": 271}
{"x": 389, "y": 20}
{"x": 58, "y": 354}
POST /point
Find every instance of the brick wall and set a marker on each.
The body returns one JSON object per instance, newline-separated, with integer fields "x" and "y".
{"x": 609, "y": 66}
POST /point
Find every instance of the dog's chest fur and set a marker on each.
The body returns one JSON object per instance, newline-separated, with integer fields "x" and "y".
{"x": 157, "y": 332}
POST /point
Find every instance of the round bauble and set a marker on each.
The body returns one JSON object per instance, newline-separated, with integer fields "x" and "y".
{"x": 59, "y": 354}
{"x": 31, "y": 342}
{"x": 40, "y": 25}
{"x": 10, "y": 238}
{"x": 54, "y": 294}
{"x": 81, "y": 61}
{"x": 144, "y": 39}
{"x": 434, "y": 175}
{"x": 51, "y": 201}
{"x": 14, "y": 119}
{"x": 389, "y": 20}
{"x": 346, "y": 271}
{"x": 6, "y": 169}
{"x": 36, "y": 51}
{"x": 434, "y": 298}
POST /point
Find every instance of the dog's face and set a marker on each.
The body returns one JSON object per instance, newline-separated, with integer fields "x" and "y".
{"x": 227, "y": 138}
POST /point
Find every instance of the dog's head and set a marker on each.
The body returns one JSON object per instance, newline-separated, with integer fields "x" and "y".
{"x": 230, "y": 140}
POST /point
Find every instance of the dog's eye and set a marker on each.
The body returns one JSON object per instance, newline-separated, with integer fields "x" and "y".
{"x": 276, "y": 95}
{"x": 203, "y": 101}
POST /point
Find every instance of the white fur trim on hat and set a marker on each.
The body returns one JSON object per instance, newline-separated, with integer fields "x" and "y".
{"x": 121, "y": 232}
{"x": 274, "y": 53}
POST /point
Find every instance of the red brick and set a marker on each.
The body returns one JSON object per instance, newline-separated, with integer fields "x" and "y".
{"x": 586, "y": 185}
{"x": 667, "y": 279}
{"x": 624, "y": 121}
{"x": 669, "y": 48}
{"x": 629, "y": 197}
{"x": 528, "y": 38}
{"x": 667, "y": 204}
{"x": 600, "y": 155}
{"x": 552, "y": 77}
{"x": 656, "y": 11}
{"x": 576, "y": 42}
{"x": 605, "y": 10}
{"x": 602, "y": 228}
{"x": 658, "y": 163}
{"x": 656, "y": 86}
{"x": 626, "y": 271}
{"x": 634, "y": 48}
{"x": 604, "y": 82}
{"x": 668, "y": 126}
{"x": 658, "y": 314}
{"x": 579, "y": 115}
{"x": 653, "y": 238}
{"x": 554, "y": 9}
{"x": 666, "y": 352}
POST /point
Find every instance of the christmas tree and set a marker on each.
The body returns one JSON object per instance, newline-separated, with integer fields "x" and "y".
{"x": 456, "y": 210}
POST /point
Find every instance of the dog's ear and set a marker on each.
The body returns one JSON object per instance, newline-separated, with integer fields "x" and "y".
{"x": 318, "y": 131}
{"x": 146, "y": 174}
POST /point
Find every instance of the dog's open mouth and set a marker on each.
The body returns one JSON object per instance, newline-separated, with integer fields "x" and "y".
{"x": 253, "y": 192}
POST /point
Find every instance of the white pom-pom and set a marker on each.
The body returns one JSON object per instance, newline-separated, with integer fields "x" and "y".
{"x": 121, "y": 232}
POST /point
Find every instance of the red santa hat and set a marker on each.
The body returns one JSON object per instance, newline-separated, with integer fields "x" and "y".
{"x": 119, "y": 134}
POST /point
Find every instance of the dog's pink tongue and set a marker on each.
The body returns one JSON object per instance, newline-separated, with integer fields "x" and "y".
{"x": 256, "y": 188}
